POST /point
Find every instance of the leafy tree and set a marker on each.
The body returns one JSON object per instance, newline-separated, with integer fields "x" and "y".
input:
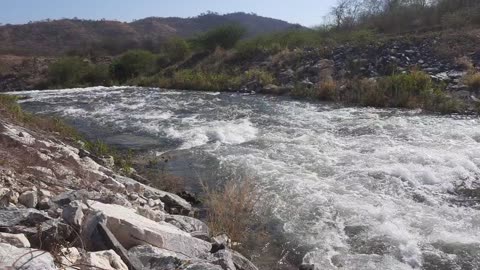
{"x": 176, "y": 49}
{"x": 132, "y": 64}
{"x": 225, "y": 36}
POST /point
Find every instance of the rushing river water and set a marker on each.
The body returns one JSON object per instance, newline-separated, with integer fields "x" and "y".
{"x": 362, "y": 188}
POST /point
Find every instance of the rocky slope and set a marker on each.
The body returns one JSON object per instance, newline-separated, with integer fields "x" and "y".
{"x": 60, "y": 209}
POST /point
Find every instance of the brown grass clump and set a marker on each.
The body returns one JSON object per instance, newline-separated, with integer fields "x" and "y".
{"x": 231, "y": 208}
{"x": 465, "y": 63}
{"x": 326, "y": 90}
{"x": 472, "y": 80}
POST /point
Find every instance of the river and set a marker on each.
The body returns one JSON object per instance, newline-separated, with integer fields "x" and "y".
{"x": 357, "y": 188}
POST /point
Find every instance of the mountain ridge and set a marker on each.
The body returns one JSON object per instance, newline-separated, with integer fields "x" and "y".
{"x": 56, "y": 37}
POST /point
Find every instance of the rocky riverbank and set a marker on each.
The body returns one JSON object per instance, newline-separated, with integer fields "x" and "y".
{"x": 60, "y": 209}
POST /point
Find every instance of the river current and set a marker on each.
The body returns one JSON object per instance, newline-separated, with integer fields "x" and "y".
{"x": 358, "y": 188}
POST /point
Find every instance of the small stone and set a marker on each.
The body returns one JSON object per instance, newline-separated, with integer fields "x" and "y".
{"x": 151, "y": 203}
{"x": 133, "y": 196}
{"x": 108, "y": 161}
{"x": 44, "y": 193}
{"x": 107, "y": 260}
{"x": 222, "y": 239}
{"x": 154, "y": 215}
{"x": 29, "y": 199}
{"x": 45, "y": 203}
{"x": 70, "y": 256}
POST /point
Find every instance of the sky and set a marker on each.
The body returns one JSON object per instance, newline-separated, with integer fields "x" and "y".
{"x": 305, "y": 12}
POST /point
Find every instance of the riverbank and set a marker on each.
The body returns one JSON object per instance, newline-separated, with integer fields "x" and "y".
{"x": 63, "y": 207}
{"x": 434, "y": 71}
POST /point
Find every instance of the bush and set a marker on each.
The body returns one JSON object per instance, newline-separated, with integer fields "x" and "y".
{"x": 472, "y": 80}
{"x": 225, "y": 37}
{"x": 97, "y": 75}
{"x": 231, "y": 209}
{"x": 133, "y": 64}
{"x": 68, "y": 72}
{"x": 403, "y": 90}
{"x": 175, "y": 50}
{"x": 77, "y": 72}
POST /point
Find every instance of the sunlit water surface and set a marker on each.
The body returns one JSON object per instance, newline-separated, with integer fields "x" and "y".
{"x": 360, "y": 188}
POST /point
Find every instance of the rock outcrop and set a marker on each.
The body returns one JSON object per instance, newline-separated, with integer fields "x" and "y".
{"x": 60, "y": 209}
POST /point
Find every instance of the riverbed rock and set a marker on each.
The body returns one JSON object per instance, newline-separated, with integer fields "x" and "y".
{"x": 132, "y": 229}
{"x": 17, "y": 240}
{"x": 28, "y": 259}
{"x": 29, "y": 199}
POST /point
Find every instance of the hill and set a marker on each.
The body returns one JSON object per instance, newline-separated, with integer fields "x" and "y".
{"x": 57, "y": 37}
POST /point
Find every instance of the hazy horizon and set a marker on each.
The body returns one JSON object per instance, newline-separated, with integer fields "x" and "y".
{"x": 304, "y": 12}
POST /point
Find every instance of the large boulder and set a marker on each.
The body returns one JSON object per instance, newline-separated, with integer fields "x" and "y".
{"x": 17, "y": 240}
{"x": 25, "y": 258}
{"x": 132, "y": 229}
{"x": 11, "y": 217}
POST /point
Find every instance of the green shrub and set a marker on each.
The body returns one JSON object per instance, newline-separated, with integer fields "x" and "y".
{"x": 68, "y": 72}
{"x": 133, "y": 64}
{"x": 403, "y": 90}
{"x": 225, "y": 37}
{"x": 175, "y": 50}
{"x": 97, "y": 75}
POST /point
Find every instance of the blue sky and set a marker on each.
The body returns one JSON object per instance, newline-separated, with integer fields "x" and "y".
{"x": 305, "y": 12}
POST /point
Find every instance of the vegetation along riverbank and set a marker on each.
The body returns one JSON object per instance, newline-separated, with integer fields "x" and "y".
{"x": 367, "y": 57}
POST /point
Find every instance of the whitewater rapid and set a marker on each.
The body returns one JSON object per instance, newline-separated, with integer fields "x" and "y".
{"x": 362, "y": 188}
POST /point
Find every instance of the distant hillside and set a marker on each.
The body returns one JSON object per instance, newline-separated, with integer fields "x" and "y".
{"x": 109, "y": 37}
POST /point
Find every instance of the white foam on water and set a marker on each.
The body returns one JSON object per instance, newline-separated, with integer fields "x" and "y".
{"x": 225, "y": 132}
{"x": 390, "y": 174}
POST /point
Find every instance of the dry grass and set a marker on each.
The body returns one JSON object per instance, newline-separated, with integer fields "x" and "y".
{"x": 326, "y": 90}
{"x": 472, "y": 80}
{"x": 231, "y": 209}
{"x": 465, "y": 63}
